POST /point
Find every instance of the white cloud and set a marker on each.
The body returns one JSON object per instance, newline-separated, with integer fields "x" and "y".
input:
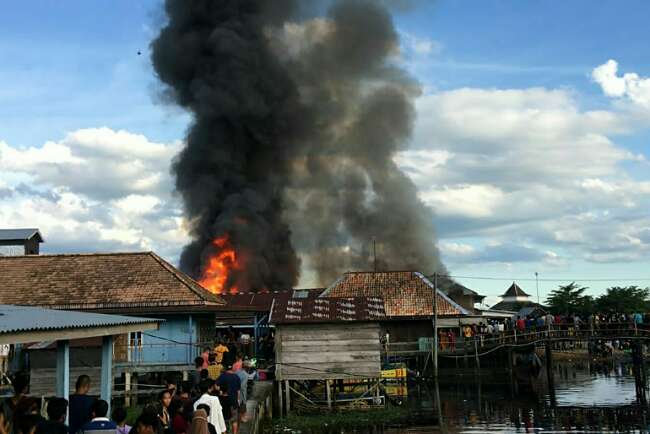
{"x": 96, "y": 162}
{"x": 630, "y": 85}
{"x": 95, "y": 190}
{"x": 471, "y": 200}
{"x": 526, "y": 168}
{"x": 420, "y": 45}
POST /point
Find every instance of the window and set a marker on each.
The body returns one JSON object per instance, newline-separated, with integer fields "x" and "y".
{"x": 135, "y": 339}
{"x": 300, "y": 293}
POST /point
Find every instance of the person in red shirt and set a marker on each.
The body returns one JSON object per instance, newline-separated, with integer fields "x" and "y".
{"x": 206, "y": 355}
{"x": 521, "y": 324}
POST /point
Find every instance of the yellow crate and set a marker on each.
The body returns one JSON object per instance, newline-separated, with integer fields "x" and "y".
{"x": 394, "y": 373}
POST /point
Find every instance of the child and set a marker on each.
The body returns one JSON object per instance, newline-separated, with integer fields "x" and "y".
{"x": 119, "y": 417}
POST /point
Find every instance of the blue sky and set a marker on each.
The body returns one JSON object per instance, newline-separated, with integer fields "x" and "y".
{"x": 530, "y": 161}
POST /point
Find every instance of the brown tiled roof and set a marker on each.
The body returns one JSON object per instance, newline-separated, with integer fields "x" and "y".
{"x": 262, "y": 302}
{"x": 286, "y": 311}
{"x": 99, "y": 281}
{"x": 405, "y": 293}
{"x": 515, "y": 291}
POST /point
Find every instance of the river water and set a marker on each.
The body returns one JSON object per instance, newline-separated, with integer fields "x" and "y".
{"x": 586, "y": 397}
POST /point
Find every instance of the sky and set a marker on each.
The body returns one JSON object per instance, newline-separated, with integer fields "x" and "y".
{"x": 530, "y": 143}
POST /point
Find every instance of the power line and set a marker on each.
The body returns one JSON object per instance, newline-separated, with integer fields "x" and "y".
{"x": 529, "y": 279}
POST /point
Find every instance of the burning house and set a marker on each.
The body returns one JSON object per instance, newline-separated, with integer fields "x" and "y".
{"x": 289, "y": 160}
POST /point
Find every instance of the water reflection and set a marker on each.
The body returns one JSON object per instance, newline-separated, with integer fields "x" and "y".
{"x": 586, "y": 397}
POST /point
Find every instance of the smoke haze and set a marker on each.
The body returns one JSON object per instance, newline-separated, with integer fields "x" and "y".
{"x": 292, "y": 142}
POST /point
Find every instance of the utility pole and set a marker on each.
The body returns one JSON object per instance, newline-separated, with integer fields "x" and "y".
{"x": 434, "y": 350}
{"x": 537, "y": 285}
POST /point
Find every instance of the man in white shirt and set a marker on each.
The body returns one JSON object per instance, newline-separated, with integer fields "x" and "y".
{"x": 207, "y": 387}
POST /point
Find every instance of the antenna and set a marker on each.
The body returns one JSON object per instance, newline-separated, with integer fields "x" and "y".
{"x": 374, "y": 252}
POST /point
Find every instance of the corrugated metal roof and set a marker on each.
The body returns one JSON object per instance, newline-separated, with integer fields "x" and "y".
{"x": 19, "y": 234}
{"x": 261, "y": 302}
{"x": 296, "y": 310}
{"x": 25, "y": 319}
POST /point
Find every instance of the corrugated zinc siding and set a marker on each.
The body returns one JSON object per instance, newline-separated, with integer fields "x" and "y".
{"x": 327, "y": 351}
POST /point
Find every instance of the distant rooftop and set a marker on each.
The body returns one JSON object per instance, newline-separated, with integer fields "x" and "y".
{"x": 20, "y": 234}
{"x": 515, "y": 291}
{"x": 405, "y": 293}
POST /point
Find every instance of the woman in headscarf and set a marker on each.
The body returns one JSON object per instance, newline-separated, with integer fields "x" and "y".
{"x": 199, "y": 423}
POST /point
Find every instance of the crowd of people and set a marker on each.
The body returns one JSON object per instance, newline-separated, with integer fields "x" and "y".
{"x": 212, "y": 401}
{"x": 500, "y": 329}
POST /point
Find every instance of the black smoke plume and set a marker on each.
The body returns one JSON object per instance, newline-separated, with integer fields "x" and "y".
{"x": 295, "y": 126}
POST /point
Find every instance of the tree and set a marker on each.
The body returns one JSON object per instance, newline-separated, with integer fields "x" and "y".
{"x": 624, "y": 299}
{"x": 569, "y": 299}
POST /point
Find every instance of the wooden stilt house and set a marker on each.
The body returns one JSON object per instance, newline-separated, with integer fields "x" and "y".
{"x": 331, "y": 341}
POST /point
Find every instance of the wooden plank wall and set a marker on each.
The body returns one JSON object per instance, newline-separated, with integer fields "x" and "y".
{"x": 327, "y": 351}
{"x": 42, "y": 382}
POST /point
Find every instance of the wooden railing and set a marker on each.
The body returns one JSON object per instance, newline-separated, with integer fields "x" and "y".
{"x": 563, "y": 332}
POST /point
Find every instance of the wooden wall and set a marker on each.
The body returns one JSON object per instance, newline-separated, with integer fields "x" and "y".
{"x": 327, "y": 351}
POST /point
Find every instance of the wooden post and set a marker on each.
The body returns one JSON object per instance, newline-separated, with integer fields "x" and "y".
{"x": 280, "y": 404}
{"x": 549, "y": 361}
{"x": 478, "y": 362}
{"x": 127, "y": 389}
{"x": 328, "y": 390}
{"x": 377, "y": 392}
{"x": 441, "y": 423}
{"x": 287, "y": 395}
{"x": 434, "y": 346}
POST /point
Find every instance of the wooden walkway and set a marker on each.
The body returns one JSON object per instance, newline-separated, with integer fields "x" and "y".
{"x": 485, "y": 344}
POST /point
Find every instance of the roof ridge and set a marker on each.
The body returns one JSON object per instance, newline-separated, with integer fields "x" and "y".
{"x": 380, "y": 271}
{"x": 193, "y": 285}
{"x": 59, "y": 255}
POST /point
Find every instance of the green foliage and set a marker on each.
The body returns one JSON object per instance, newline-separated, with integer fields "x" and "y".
{"x": 624, "y": 299}
{"x": 335, "y": 422}
{"x": 570, "y": 299}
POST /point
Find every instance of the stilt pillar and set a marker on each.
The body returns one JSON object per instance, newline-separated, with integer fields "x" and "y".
{"x": 287, "y": 395}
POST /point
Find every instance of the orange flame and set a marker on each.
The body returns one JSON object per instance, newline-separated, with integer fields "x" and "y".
{"x": 216, "y": 272}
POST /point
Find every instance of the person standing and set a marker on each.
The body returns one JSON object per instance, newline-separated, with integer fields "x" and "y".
{"x": 119, "y": 417}
{"x": 243, "y": 392}
{"x": 99, "y": 424}
{"x": 230, "y": 381}
{"x": 214, "y": 368}
{"x": 164, "y": 401}
{"x": 57, "y": 409}
{"x": 207, "y": 388}
{"x": 219, "y": 351}
{"x": 80, "y": 404}
{"x": 10, "y": 406}
{"x": 199, "y": 423}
